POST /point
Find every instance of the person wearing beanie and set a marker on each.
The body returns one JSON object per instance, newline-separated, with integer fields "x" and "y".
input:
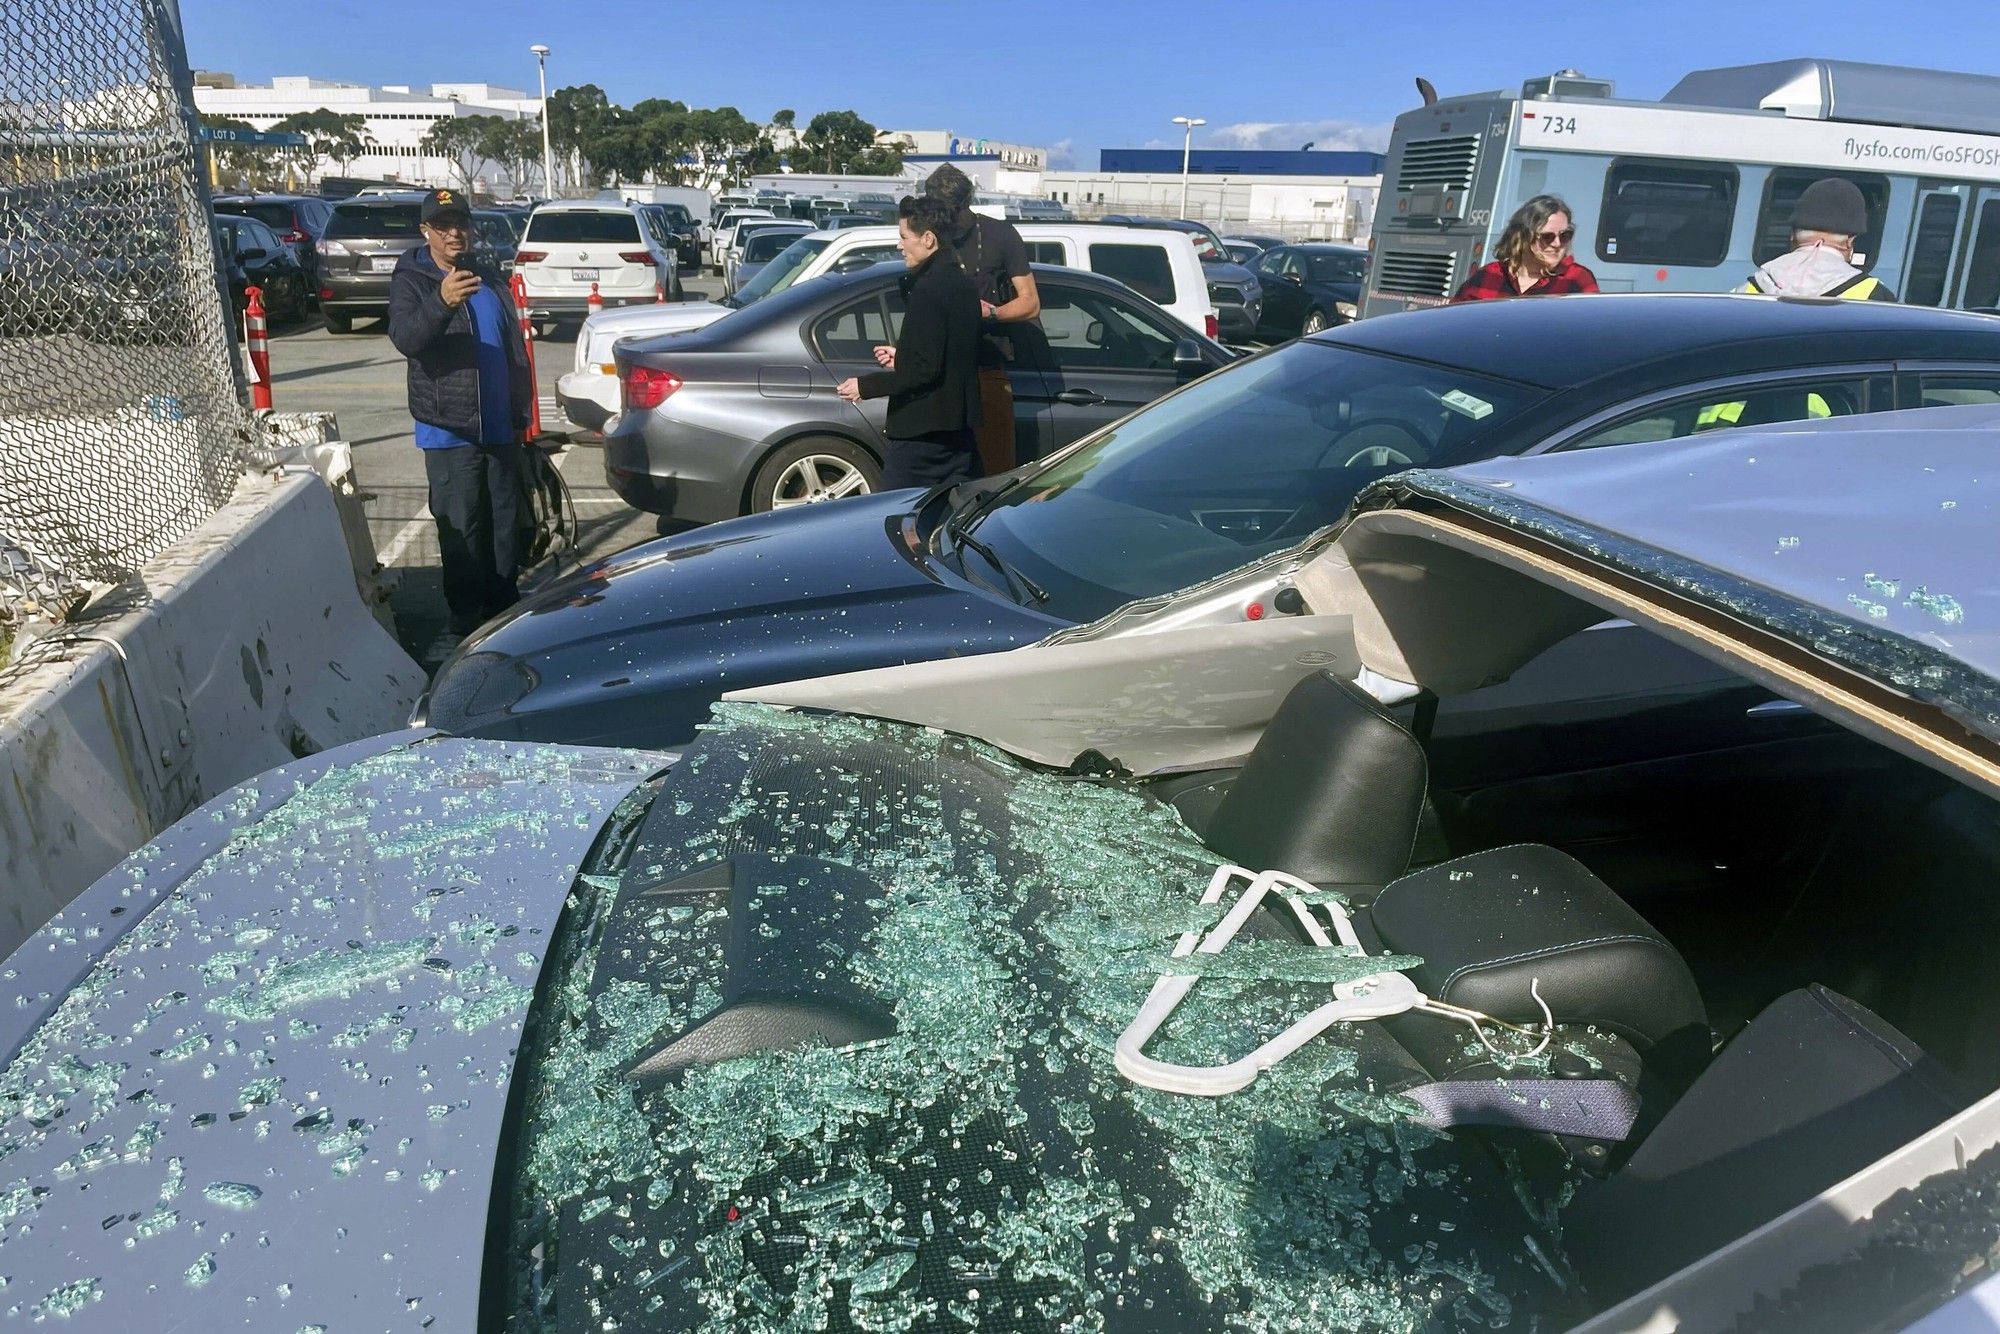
{"x": 1830, "y": 215}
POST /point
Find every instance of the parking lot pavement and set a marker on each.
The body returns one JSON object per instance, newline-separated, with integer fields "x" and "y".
{"x": 360, "y": 378}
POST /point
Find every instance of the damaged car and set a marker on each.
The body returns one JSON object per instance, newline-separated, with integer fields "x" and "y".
{"x": 1238, "y": 466}
{"x": 1575, "y": 916}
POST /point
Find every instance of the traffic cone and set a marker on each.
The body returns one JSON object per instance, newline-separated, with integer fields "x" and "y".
{"x": 257, "y": 340}
{"x": 596, "y": 301}
{"x": 520, "y": 287}
{"x": 659, "y": 292}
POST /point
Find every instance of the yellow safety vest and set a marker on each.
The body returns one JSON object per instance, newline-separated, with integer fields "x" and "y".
{"x": 1728, "y": 414}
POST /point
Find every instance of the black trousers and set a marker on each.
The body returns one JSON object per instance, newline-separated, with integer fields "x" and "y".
{"x": 941, "y": 458}
{"x": 477, "y": 497}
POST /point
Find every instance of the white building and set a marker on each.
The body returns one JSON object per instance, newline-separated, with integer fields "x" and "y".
{"x": 946, "y": 144}
{"x": 1301, "y": 196}
{"x": 397, "y": 117}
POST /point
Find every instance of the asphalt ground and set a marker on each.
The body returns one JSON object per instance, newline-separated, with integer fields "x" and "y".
{"x": 359, "y": 377}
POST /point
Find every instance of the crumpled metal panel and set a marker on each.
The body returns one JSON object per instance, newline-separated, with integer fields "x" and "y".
{"x": 272, "y": 1101}
{"x": 1868, "y": 542}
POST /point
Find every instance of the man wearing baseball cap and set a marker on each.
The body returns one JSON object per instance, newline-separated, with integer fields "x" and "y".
{"x": 452, "y": 317}
{"x": 1829, "y": 217}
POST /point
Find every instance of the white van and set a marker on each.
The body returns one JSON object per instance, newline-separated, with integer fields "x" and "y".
{"x": 1161, "y": 266}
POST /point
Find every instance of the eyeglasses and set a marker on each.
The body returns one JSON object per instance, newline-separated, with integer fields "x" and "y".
{"x": 1563, "y": 237}
{"x": 450, "y": 225}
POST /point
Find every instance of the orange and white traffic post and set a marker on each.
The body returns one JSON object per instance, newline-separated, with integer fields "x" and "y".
{"x": 520, "y": 288}
{"x": 257, "y": 340}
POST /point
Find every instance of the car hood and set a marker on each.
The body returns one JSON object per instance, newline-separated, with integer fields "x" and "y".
{"x": 636, "y": 647}
{"x": 269, "y": 1054}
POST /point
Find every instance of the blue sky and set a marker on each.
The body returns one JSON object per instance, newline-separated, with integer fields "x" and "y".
{"x": 1077, "y": 75}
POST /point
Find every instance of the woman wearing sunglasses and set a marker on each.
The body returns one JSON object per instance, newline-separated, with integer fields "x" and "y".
{"x": 1531, "y": 257}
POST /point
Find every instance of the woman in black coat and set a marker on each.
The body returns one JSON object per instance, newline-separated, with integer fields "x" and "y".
{"x": 931, "y": 375}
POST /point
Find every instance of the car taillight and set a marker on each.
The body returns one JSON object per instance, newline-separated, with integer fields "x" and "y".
{"x": 294, "y": 236}
{"x": 642, "y": 387}
{"x": 325, "y": 293}
{"x": 1212, "y": 325}
{"x": 638, "y": 257}
{"x": 530, "y": 256}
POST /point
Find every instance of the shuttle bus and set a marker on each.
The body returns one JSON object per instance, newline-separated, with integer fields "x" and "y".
{"x": 1693, "y": 192}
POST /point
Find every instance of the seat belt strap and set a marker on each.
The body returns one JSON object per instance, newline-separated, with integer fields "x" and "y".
{"x": 1587, "y": 1108}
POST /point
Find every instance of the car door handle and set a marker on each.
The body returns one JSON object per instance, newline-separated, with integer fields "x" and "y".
{"x": 1080, "y": 396}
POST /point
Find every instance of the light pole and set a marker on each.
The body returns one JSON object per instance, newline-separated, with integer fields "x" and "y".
{"x": 541, "y": 54}
{"x": 1187, "y": 151}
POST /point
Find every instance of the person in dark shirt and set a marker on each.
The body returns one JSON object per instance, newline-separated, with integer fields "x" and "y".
{"x": 931, "y": 375}
{"x": 1532, "y": 257}
{"x": 993, "y": 254}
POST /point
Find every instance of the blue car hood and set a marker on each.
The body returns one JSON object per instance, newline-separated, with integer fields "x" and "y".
{"x": 632, "y": 650}
{"x": 257, "y": 1072}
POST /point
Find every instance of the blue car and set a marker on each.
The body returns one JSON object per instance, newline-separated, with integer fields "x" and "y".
{"x": 1229, "y": 470}
{"x": 1308, "y": 288}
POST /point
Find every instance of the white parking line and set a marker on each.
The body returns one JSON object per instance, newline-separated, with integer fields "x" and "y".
{"x": 407, "y": 534}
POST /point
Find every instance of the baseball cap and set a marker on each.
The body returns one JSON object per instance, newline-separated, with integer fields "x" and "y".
{"x": 440, "y": 202}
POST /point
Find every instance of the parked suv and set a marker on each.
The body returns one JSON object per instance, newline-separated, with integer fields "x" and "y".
{"x": 572, "y": 248}
{"x": 299, "y": 221}
{"x": 1238, "y": 296}
{"x": 364, "y": 238}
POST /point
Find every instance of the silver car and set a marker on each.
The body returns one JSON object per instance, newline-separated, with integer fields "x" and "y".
{"x": 741, "y": 417}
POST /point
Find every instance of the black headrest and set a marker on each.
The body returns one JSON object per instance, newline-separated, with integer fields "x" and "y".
{"x": 1332, "y": 793}
{"x": 1816, "y": 1088}
{"x": 1489, "y": 925}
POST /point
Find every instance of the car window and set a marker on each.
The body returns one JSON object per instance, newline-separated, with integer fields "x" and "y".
{"x": 570, "y": 227}
{"x": 375, "y": 221}
{"x": 1252, "y": 458}
{"x": 1982, "y": 272}
{"x": 260, "y": 237}
{"x": 1270, "y": 264}
{"x": 1715, "y": 410}
{"x": 1145, "y": 269}
{"x": 1046, "y": 252}
{"x": 1930, "y": 250}
{"x": 1941, "y": 390}
{"x": 1091, "y": 331}
{"x": 854, "y": 331}
{"x": 1335, "y": 268}
{"x": 767, "y": 245}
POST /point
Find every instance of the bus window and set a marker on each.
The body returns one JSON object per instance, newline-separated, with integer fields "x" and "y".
{"x": 1930, "y": 250}
{"x": 1667, "y": 213}
{"x": 1982, "y": 275}
{"x": 1781, "y": 196}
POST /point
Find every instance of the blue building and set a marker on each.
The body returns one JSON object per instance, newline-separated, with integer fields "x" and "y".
{"x": 1240, "y": 162}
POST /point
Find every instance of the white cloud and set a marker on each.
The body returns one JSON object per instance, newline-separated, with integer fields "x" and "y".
{"x": 1323, "y": 135}
{"x": 1062, "y": 155}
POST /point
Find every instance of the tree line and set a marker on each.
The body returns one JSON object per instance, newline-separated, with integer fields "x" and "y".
{"x": 596, "y": 144}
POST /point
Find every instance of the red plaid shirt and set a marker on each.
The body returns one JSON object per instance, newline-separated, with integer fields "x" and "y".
{"x": 1493, "y": 282}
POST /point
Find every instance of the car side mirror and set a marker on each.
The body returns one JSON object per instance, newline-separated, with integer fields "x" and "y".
{"x": 854, "y": 264}
{"x": 1188, "y": 358}
{"x": 1294, "y": 279}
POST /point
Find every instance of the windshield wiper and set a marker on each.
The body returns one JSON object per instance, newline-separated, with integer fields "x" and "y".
{"x": 966, "y": 540}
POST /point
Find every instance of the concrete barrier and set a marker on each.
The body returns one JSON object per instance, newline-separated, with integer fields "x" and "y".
{"x": 250, "y": 648}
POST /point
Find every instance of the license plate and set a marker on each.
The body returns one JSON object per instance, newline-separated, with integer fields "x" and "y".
{"x": 383, "y": 263}
{"x": 583, "y": 275}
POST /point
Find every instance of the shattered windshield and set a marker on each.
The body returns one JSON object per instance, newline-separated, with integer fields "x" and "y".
{"x": 1240, "y": 464}
{"x": 833, "y": 1051}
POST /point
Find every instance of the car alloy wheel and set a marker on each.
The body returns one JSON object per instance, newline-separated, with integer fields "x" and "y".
{"x": 813, "y": 469}
{"x": 818, "y": 477}
{"x": 1315, "y": 321}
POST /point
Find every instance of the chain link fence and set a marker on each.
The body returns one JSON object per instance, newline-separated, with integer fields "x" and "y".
{"x": 121, "y": 428}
